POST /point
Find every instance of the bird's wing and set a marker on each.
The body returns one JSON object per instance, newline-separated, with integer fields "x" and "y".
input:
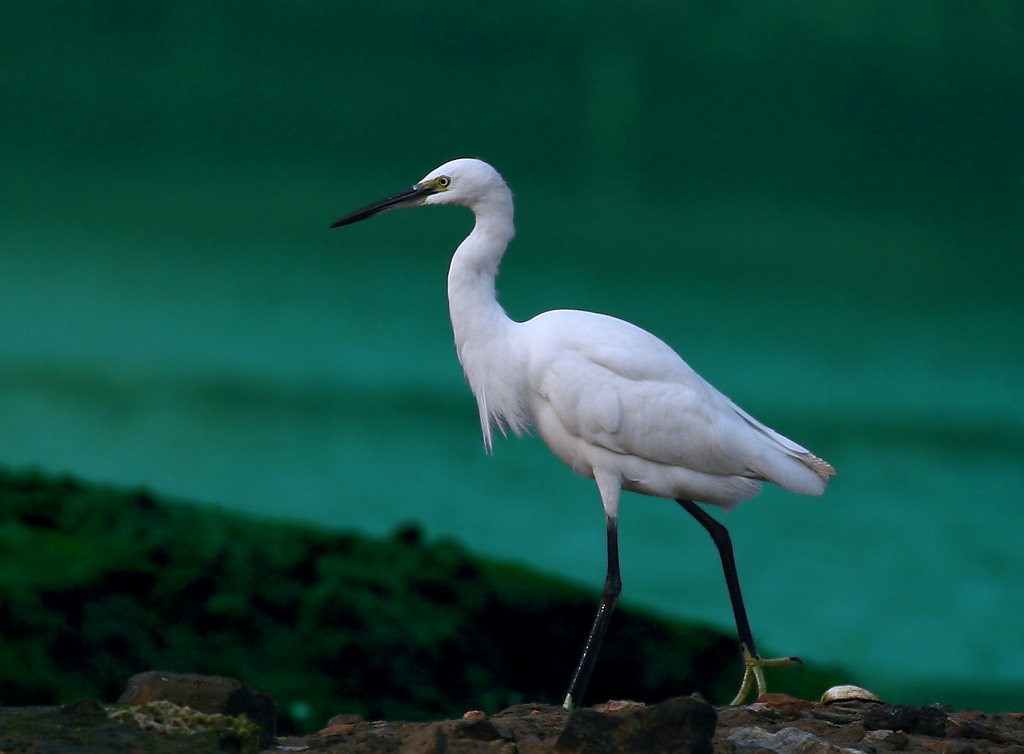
{"x": 616, "y": 386}
{"x": 671, "y": 422}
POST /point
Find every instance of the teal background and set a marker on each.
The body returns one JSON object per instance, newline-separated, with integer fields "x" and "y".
{"x": 817, "y": 204}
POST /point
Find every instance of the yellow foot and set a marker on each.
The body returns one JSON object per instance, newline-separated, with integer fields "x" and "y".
{"x": 754, "y": 673}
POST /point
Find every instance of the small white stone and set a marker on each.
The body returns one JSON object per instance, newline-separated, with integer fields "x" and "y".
{"x": 848, "y": 694}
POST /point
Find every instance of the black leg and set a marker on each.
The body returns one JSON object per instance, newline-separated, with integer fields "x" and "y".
{"x": 754, "y": 665}
{"x": 609, "y": 596}
{"x": 720, "y": 536}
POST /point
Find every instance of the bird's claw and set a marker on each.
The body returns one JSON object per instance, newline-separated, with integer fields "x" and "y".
{"x": 753, "y": 672}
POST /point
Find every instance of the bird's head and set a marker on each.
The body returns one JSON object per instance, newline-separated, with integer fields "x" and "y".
{"x": 465, "y": 181}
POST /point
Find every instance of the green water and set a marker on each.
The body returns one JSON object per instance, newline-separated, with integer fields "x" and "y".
{"x": 824, "y": 221}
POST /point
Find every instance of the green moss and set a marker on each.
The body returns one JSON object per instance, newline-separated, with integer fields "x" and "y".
{"x": 159, "y": 727}
{"x": 169, "y": 718}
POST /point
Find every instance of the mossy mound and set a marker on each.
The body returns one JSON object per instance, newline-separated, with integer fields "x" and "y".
{"x": 157, "y": 728}
{"x": 169, "y": 718}
{"x": 98, "y": 583}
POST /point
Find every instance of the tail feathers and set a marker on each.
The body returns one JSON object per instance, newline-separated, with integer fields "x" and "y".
{"x": 820, "y": 467}
{"x": 803, "y": 473}
{"x": 788, "y": 467}
{"x": 794, "y": 474}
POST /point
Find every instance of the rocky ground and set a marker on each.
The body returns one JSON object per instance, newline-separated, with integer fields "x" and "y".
{"x": 166, "y": 712}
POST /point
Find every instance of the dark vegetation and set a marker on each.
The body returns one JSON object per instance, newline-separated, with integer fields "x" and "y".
{"x": 98, "y": 583}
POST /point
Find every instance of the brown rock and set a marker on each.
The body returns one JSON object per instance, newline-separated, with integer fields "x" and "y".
{"x": 210, "y": 694}
{"x": 429, "y": 739}
{"x": 683, "y": 725}
{"x": 930, "y": 721}
{"x": 347, "y": 718}
{"x": 475, "y": 729}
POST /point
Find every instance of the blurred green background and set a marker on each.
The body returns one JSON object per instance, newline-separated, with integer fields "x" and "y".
{"x": 818, "y": 204}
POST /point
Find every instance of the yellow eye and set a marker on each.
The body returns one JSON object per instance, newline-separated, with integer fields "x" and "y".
{"x": 444, "y": 182}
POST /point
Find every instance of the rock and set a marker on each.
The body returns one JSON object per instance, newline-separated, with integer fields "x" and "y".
{"x": 682, "y": 724}
{"x": 588, "y": 732}
{"x": 346, "y": 718}
{"x": 475, "y": 728}
{"x": 210, "y": 694}
{"x": 427, "y": 740}
{"x": 775, "y": 724}
{"x": 785, "y": 741}
{"x": 617, "y": 705}
{"x": 930, "y": 721}
{"x": 88, "y": 726}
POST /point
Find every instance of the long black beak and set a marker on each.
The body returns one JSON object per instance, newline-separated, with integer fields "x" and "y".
{"x": 408, "y": 198}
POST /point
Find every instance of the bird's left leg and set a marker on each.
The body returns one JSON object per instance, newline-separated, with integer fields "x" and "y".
{"x": 754, "y": 665}
{"x": 609, "y": 596}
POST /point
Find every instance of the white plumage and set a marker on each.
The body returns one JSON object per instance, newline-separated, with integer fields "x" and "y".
{"x": 605, "y": 395}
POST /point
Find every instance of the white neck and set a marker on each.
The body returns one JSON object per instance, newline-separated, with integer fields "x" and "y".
{"x": 484, "y": 334}
{"x": 472, "y": 299}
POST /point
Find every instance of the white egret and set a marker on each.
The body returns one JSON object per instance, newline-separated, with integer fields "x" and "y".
{"x": 609, "y": 399}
